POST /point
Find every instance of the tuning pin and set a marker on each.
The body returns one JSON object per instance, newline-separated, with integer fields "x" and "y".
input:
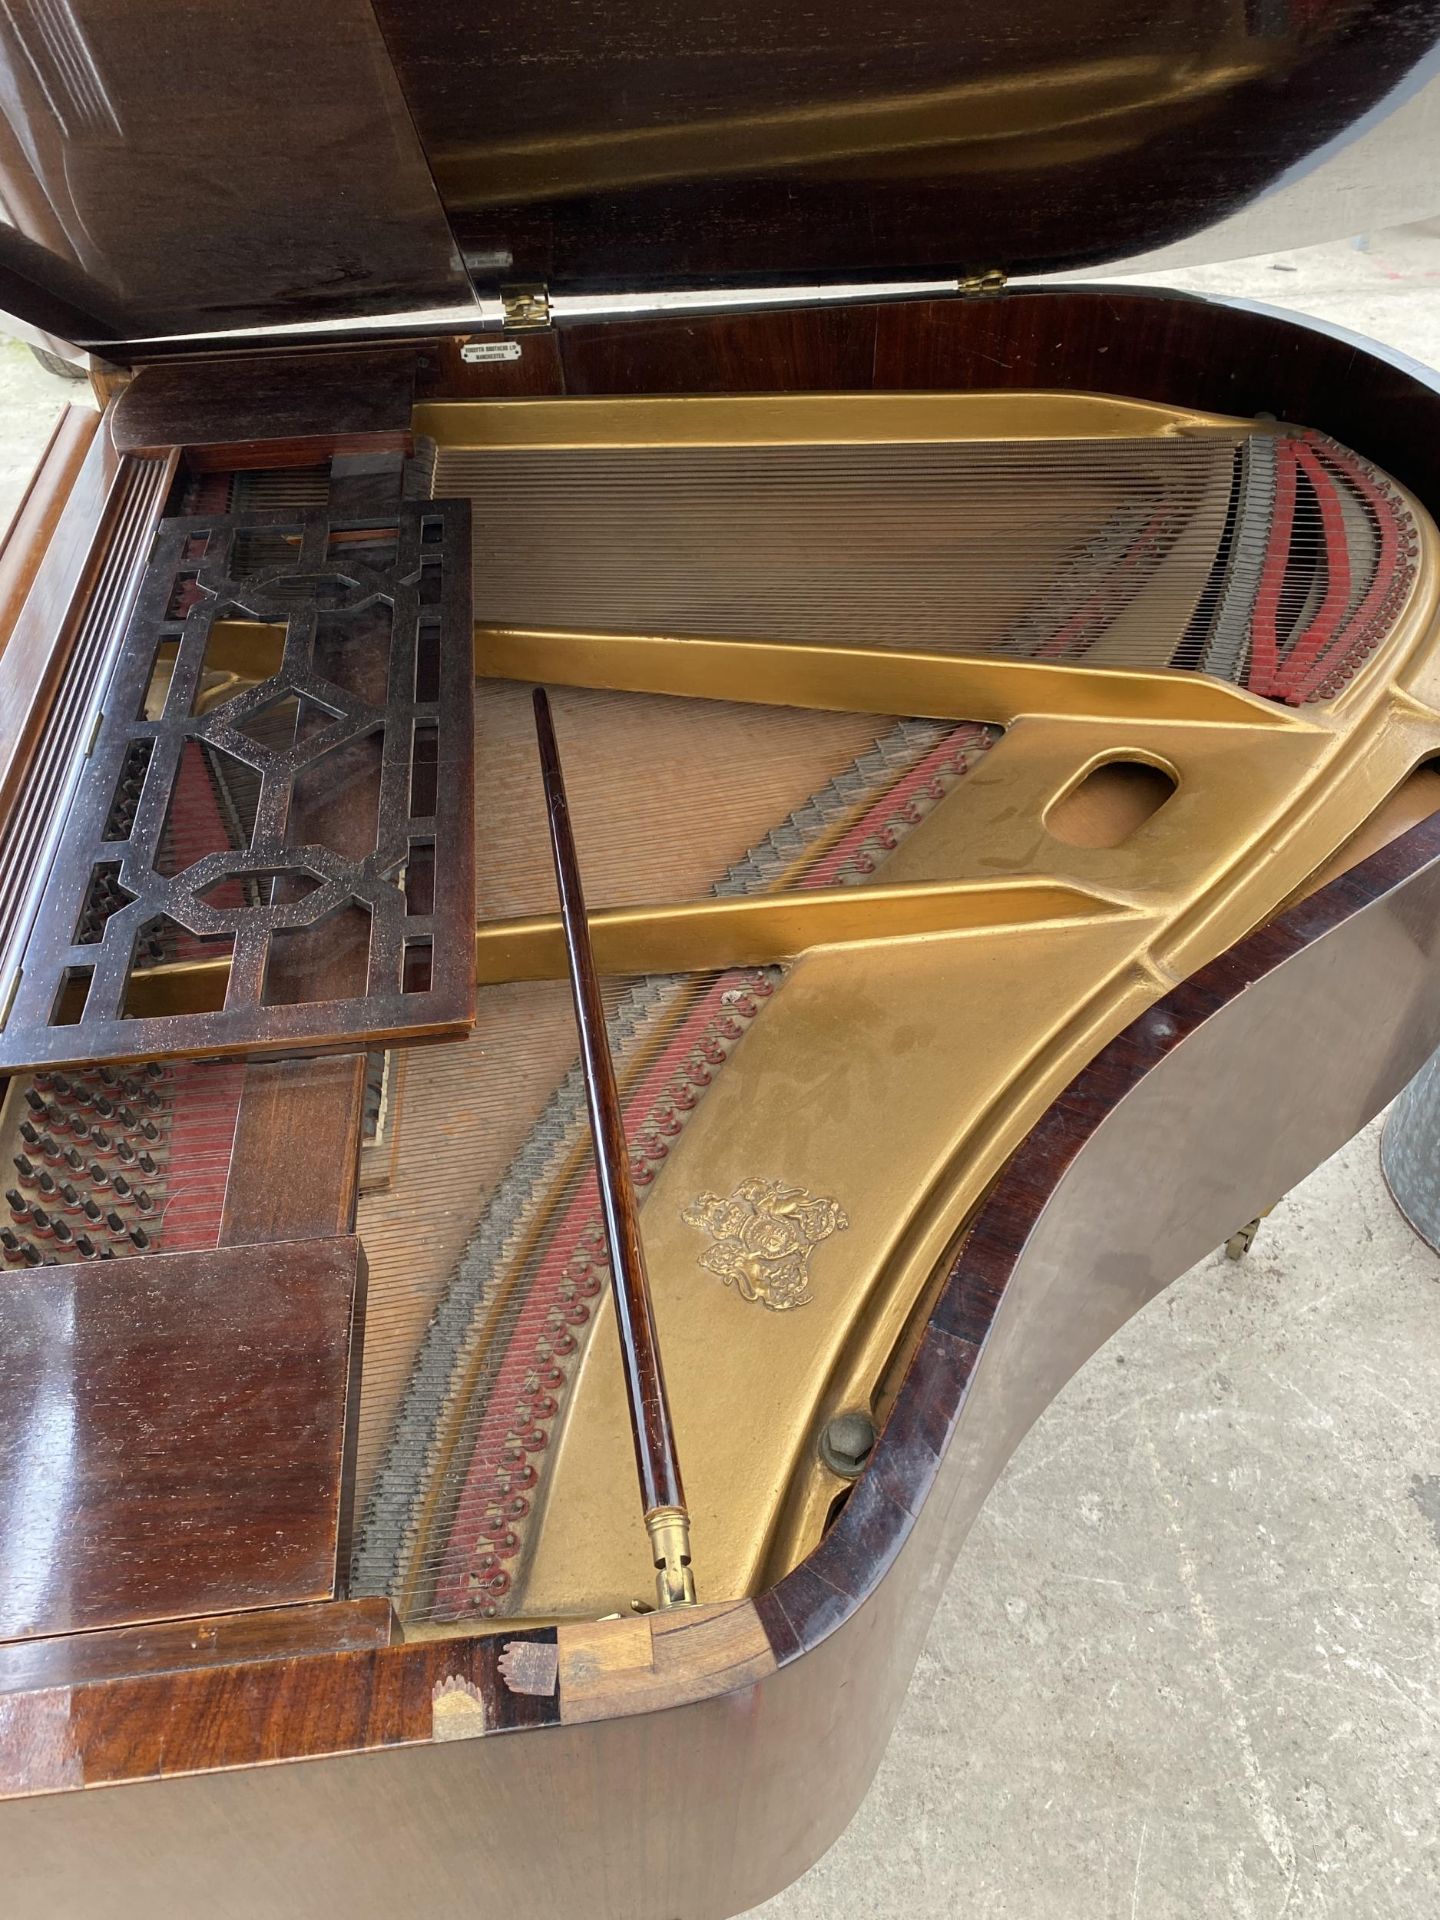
{"x": 35, "y": 1101}
{"x": 150, "y": 1131}
{"x": 69, "y": 1195}
{"x": 115, "y": 1222}
{"x": 10, "y": 1243}
{"x": 127, "y": 1117}
{"x": 92, "y": 1213}
{"x": 122, "y": 1186}
{"x": 143, "y": 1202}
{"x": 146, "y": 1164}
{"x": 30, "y": 1253}
{"x": 101, "y": 1141}
{"x": 78, "y": 1125}
{"x": 105, "y": 1108}
{"x": 85, "y": 1246}
{"x": 74, "y": 1159}
{"x": 30, "y": 1134}
{"x": 45, "y": 1182}
{"x": 139, "y": 1238}
{"x": 19, "y": 1210}
{"x": 49, "y": 1148}
{"x": 61, "y": 1230}
{"x": 40, "y": 1222}
{"x": 99, "y": 1178}
{"x": 125, "y": 1153}
{"x": 107, "y": 1253}
{"x": 24, "y": 1166}
{"x": 107, "y": 1077}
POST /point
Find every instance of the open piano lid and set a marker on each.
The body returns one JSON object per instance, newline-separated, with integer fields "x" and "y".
{"x": 172, "y": 168}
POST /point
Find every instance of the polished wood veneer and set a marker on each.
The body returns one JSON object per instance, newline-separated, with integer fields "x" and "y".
{"x": 212, "y": 1640}
{"x": 35, "y": 518}
{"x": 277, "y": 412}
{"x": 172, "y": 1433}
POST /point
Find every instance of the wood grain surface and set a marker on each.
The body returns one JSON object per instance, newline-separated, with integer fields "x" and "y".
{"x": 172, "y": 1433}
{"x": 268, "y": 410}
{"x": 39, "y": 511}
{"x": 212, "y": 1640}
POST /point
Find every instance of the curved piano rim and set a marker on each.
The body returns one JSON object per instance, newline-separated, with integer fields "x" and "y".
{"x": 699, "y": 1763}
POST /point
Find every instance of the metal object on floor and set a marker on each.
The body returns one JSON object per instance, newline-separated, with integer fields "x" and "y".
{"x": 1243, "y": 1238}
{"x": 1410, "y": 1153}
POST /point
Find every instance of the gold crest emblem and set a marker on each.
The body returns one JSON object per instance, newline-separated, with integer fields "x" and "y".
{"x": 762, "y": 1237}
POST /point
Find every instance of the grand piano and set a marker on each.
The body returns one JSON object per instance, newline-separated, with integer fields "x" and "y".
{"x": 521, "y": 1263}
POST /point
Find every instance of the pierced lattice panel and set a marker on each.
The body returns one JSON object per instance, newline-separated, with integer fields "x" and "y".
{"x": 272, "y": 846}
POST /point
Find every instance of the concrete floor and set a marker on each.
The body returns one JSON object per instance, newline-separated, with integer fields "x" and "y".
{"x": 1188, "y": 1663}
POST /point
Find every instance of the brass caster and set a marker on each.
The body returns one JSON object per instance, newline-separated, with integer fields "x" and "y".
{"x": 1243, "y": 1238}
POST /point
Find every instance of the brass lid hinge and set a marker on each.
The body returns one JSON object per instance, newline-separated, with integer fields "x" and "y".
{"x": 525, "y": 307}
{"x": 991, "y": 281}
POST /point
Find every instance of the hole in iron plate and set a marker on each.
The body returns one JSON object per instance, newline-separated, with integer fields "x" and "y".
{"x": 1112, "y": 802}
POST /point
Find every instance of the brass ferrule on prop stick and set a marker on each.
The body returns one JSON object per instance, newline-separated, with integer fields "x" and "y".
{"x": 670, "y": 1539}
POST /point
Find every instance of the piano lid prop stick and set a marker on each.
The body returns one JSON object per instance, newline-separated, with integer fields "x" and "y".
{"x": 651, "y": 1426}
